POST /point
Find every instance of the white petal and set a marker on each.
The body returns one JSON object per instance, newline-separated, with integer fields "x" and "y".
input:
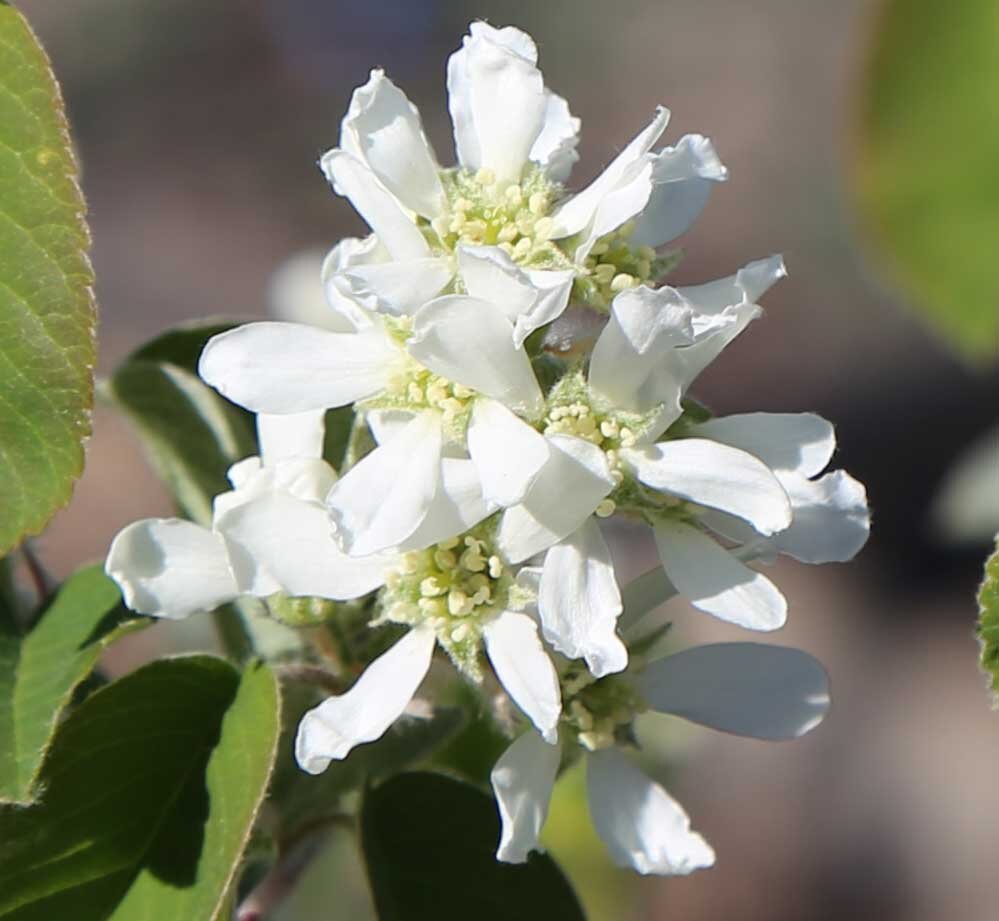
{"x": 524, "y": 670}
{"x": 831, "y": 519}
{"x": 278, "y": 540}
{"x": 555, "y": 148}
{"x": 470, "y": 341}
{"x": 398, "y": 288}
{"x": 295, "y": 292}
{"x": 522, "y": 782}
{"x": 293, "y": 435}
{"x": 565, "y": 493}
{"x": 507, "y": 452}
{"x": 553, "y": 291}
{"x": 682, "y": 178}
{"x": 579, "y": 601}
{"x": 491, "y": 275}
{"x": 497, "y": 100}
{"x": 385, "y": 130}
{"x": 383, "y": 499}
{"x": 458, "y": 505}
{"x": 349, "y": 254}
{"x": 307, "y": 478}
{"x": 750, "y": 689}
{"x": 642, "y": 826}
{"x": 715, "y": 581}
{"x": 289, "y": 368}
{"x": 170, "y": 568}
{"x": 377, "y": 699}
{"x": 581, "y": 211}
{"x": 799, "y": 443}
{"x": 714, "y": 475}
{"x": 394, "y": 228}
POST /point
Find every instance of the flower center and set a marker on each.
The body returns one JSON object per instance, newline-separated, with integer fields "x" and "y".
{"x": 599, "y": 711}
{"x": 456, "y": 587}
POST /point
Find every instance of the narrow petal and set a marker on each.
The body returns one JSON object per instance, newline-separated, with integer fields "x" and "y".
{"x": 580, "y": 211}
{"x": 170, "y": 568}
{"x": 398, "y": 288}
{"x": 831, "y": 518}
{"x": 293, "y": 435}
{"x": 383, "y": 499}
{"x": 714, "y": 581}
{"x": 750, "y": 689}
{"x": 553, "y": 291}
{"x": 470, "y": 341}
{"x": 348, "y": 255}
{"x": 682, "y": 179}
{"x": 580, "y": 602}
{"x": 383, "y": 128}
{"x": 491, "y": 275}
{"x": 507, "y": 452}
{"x": 799, "y": 443}
{"x": 564, "y": 494}
{"x": 276, "y": 539}
{"x": 497, "y": 100}
{"x": 288, "y": 368}
{"x": 714, "y": 475}
{"x": 522, "y": 782}
{"x": 377, "y": 699}
{"x": 458, "y": 505}
{"x": 380, "y": 209}
{"x": 524, "y": 670}
{"x": 555, "y": 148}
{"x": 642, "y": 826}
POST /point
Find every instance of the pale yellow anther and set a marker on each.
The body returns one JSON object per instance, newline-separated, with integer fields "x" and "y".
{"x": 599, "y": 248}
{"x": 485, "y": 176}
{"x": 457, "y": 224}
{"x": 513, "y": 195}
{"x": 617, "y": 476}
{"x": 605, "y": 509}
{"x": 415, "y": 393}
{"x": 644, "y": 268}
{"x": 445, "y": 559}
{"x": 508, "y": 233}
{"x": 458, "y": 603}
{"x": 463, "y": 204}
{"x": 440, "y": 225}
{"x": 461, "y": 632}
{"x": 475, "y": 230}
{"x": 472, "y": 560}
{"x": 605, "y": 272}
{"x": 647, "y": 253}
{"x": 626, "y": 437}
{"x": 432, "y": 607}
{"x": 431, "y": 587}
{"x": 537, "y": 203}
{"x": 622, "y": 282}
{"x": 543, "y": 229}
{"x": 461, "y": 391}
{"x": 410, "y": 563}
{"x": 608, "y": 428}
{"x": 495, "y": 567}
{"x": 481, "y": 596}
{"x": 507, "y": 248}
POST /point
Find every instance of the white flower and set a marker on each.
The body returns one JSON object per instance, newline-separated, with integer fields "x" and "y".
{"x": 515, "y": 142}
{"x": 270, "y": 534}
{"x": 764, "y": 692}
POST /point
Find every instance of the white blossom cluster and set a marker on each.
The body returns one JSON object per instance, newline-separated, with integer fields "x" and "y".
{"x": 523, "y": 372}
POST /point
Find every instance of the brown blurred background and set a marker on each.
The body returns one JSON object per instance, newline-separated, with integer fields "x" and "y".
{"x": 199, "y": 125}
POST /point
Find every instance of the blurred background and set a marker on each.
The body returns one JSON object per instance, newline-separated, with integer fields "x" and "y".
{"x": 199, "y": 126}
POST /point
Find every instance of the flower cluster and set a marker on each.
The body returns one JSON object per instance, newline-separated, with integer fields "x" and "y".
{"x": 503, "y": 430}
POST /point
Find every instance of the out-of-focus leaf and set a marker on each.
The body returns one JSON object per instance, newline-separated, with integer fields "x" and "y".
{"x": 39, "y": 671}
{"x": 151, "y": 787}
{"x": 925, "y": 170}
{"x": 47, "y": 311}
{"x": 430, "y": 846}
{"x": 988, "y": 621}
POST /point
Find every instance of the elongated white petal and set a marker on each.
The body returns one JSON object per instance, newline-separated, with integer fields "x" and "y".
{"x": 399, "y": 287}
{"x": 555, "y": 148}
{"x": 497, "y": 100}
{"x": 458, "y": 505}
{"x": 507, "y": 452}
{"x": 329, "y": 732}
{"x": 714, "y": 475}
{"x": 293, "y": 435}
{"x": 642, "y": 826}
{"x": 682, "y": 178}
{"x": 831, "y": 518}
{"x": 750, "y": 689}
{"x": 380, "y": 209}
{"x": 714, "y": 581}
{"x": 579, "y": 601}
{"x": 383, "y": 128}
{"x": 384, "y": 498}
{"x": 524, "y": 670}
{"x": 580, "y": 212}
{"x": 170, "y": 568}
{"x": 564, "y": 494}
{"x": 349, "y": 315}
{"x": 470, "y": 341}
{"x": 278, "y": 539}
{"x": 522, "y": 782}
{"x": 799, "y": 443}
{"x": 553, "y": 291}
{"x": 491, "y": 275}
{"x": 289, "y": 368}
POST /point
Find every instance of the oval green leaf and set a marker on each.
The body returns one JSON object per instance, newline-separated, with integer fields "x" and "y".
{"x": 47, "y": 310}
{"x": 926, "y": 163}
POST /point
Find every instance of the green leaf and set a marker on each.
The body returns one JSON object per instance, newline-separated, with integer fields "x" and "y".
{"x": 925, "y": 170}
{"x": 430, "y": 843}
{"x": 191, "y": 434}
{"x": 151, "y": 788}
{"x": 39, "y": 671}
{"x": 988, "y": 621}
{"x": 47, "y": 310}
